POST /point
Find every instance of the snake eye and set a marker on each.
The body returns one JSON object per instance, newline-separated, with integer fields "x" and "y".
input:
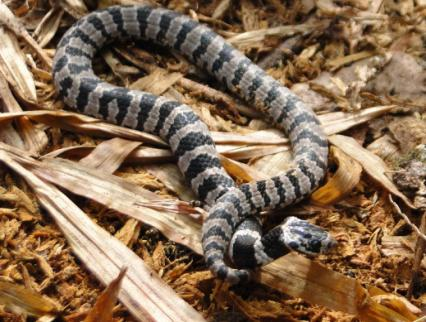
{"x": 315, "y": 246}
{"x": 293, "y": 245}
{"x": 307, "y": 235}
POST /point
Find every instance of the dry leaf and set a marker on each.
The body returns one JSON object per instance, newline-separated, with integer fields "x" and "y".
{"x": 34, "y": 139}
{"x": 14, "y": 68}
{"x": 20, "y": 299}
{"x": 299, "y": 277}
{"x": 249, "y": 38}
{"x": 342, "y": 182}
{"x": 371, "y": 163}
{"x": 109, "y": 155}
{"x": 172, "y": 178}
{"x": 157, "y": 82}
{"x": 103, "y": 308}
{"x": 47, "y": 28}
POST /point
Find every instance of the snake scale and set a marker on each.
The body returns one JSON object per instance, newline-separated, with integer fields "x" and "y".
{"x": 231, "y": 225}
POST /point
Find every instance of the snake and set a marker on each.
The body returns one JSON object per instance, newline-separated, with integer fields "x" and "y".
{"x": 233, "y": 242}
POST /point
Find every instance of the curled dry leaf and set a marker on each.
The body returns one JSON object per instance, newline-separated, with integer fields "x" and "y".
{"x": 241, "y": 171}
{"x": 371, "y": 163}
{"x": 48, "y": 26}
{"x": 25, "y": 301}
{"x": 342, "y": 182}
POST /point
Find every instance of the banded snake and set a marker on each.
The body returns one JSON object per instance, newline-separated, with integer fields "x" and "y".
{"x": 231, "y": 224}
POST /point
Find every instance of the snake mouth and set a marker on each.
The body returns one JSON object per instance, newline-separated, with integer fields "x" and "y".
{"x": 328, "y": 244}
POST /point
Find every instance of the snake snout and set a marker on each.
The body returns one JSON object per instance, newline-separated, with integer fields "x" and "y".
{"x": 327, "y": 244}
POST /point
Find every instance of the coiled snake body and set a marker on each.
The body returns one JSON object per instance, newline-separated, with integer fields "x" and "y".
{"x": 230, "y": 224}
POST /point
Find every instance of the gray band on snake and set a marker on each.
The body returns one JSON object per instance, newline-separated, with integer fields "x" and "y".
{"x": 231, "y": 224}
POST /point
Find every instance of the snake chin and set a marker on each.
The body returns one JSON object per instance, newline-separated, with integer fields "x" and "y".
{"x": 303, "y": 237}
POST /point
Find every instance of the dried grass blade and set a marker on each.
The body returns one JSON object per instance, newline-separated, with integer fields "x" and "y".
{"x": 170, "y": 175}
{"x": 337, "y": 122}
{"x": 109, "y": 155}
{"x": 146, "y": 296}
{"x": 332, "y": 123}
{"x": 9, "y": 19}
{"x": 141, "y": 155}
{"x": 75, "y": 8}
{"x": 48, "y": 26}
{"x": 248, "y": 152}
{"x": 259, "y": 137}
{"x": 79, "y": 123}
{"x": 23, "y": 300}
{"x": 34, "y": 139}
{"x": 300, "y": 277}
{"x": 255, "y": 36}
{"x": 371, "y": 163}
{"x": 14, "y": 68}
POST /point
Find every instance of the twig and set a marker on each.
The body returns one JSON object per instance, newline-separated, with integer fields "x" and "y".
{"x": 418, "y": 256}
{"x": 190, "y": 84}
{"x": 407, "y": 220}
{"x": 278, "y": 53}
{"x": 254, "y": 36}
{"x": 218, "y": 96}
{"x": 221, "y": 9}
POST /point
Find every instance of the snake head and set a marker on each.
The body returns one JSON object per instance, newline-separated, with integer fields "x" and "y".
{"x": 303, "y": 237}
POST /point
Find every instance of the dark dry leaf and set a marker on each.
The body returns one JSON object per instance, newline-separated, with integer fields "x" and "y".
{"x": 103, "y": 308}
